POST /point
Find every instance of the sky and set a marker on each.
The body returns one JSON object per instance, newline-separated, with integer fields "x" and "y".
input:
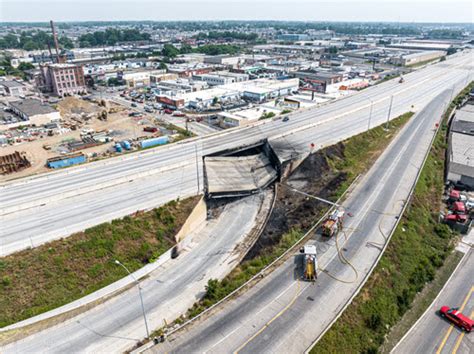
{"x": 301, "y": 10}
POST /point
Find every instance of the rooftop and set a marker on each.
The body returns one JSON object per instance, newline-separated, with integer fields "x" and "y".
{"x": 11, "y": 83}
{"x": 32, "y": 107}
{"x": 462, "y": 154}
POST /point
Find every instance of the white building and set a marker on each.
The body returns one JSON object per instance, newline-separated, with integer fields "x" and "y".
{"x": 35, "y": 112}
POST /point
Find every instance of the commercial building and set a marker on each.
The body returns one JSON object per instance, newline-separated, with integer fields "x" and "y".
{"x": 417, "y": 57}
{"x": 318, "y": 81}
{"x": 227, "y": 60}
{"x": 34, "y": 112}
{"x": 13, "y": 88}
{"x": 62, "y": 79}
{"x": 140, "y": 78}
{"x": 214, "y": 80}
{"x": 460, "y": 167}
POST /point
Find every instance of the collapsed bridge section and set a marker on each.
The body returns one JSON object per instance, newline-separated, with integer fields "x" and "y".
{"x": 231, "y": 176}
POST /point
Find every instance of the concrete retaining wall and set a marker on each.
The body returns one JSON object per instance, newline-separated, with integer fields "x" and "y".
{"x": 197, "y": 216}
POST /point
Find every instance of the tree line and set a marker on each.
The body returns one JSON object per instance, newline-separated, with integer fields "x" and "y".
{"x": 33, "y": 40}
{"x": 112, "y": 36}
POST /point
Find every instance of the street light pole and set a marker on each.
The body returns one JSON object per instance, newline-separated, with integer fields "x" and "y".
{"x": 370, "y": 114}
{"x": 140, "y": 293}
{"x": 389, "y": 111}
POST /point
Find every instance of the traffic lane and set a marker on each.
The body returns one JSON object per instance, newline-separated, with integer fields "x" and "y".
{"x": 328, "y": 131}
{"x": 345, "y": 104}
{"x": 434, "y": 334}
{"x": 118, "y": 323}
{"x": 361, "y": 230}
{"x": 279, "y": 329}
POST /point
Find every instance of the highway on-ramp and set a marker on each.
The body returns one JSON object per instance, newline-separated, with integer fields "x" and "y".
{"x": 41, "y": 208}
{"x": 281, "y": 313}
{"x": 117, "y": 324}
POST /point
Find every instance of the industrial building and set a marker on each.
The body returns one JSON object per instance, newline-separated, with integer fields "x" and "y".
{"x": 460, "y": 168}
{"x": 12, "y": 88}
{"x": 34, "y": 112}
{"x": 417, "y": 57}
{"x": 61, "y": 79}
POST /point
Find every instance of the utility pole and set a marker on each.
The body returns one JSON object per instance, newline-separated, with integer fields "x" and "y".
{"x": 141, "y": 297}
{"x": 389, "y": 111}
{"x": 370, "y": 114}
{"x": 197, "y": 166}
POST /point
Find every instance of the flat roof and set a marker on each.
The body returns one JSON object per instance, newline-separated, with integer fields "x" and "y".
{"x": 11, "y": 83}
{"x": 32, "y": 107}
{"x": 462, "y": 154}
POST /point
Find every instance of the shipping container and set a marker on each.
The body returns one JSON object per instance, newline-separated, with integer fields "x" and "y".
{"x": 64, "y": 161}
{"x": 154, "y": 142}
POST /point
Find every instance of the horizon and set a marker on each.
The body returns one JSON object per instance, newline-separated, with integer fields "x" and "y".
{"x": 398, "y": 11}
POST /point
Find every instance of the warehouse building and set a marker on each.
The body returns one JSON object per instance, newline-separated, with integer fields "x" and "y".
{"x": 460, "y": 167}
{"x": 417, "y": 57}
{"x": 13, "y": 88}
{"x": 34, "y": 112}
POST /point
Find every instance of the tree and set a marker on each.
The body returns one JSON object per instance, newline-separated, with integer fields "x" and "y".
{"x": 25, "y": 66}
{"x": 170, "y": 51}
{"x": 163, "y": 66}
{"x": 185, "y": 49}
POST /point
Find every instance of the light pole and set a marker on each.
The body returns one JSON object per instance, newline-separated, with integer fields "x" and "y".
{"x": 370, "y": 113}
{"x": 389, "y": 111}
{"x": 139, "y": 292}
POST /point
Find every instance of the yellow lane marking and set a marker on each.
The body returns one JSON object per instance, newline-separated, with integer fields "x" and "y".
{"x": 448, "y": 333}
{"x": 273, "y": 319}
{"x": 458, "y": 342}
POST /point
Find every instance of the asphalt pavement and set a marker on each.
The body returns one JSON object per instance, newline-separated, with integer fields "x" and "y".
{"x": 83, "y": 196}
{"x": 168, "y": 292}
{"x": 433, "y": 334}
{"x": 284, "y": 314}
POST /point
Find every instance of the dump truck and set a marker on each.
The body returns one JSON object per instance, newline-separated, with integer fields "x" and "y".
{"x": 333, "y": 224}
{"x": 310, "y": 263}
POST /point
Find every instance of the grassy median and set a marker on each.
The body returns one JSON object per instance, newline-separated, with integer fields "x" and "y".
{"x": 40, "y": 279}
{"x": 343, "y": 162}
{"x": 419, "y": 246}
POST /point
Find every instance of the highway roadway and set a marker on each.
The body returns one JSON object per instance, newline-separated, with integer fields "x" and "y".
{"x": 433, "y": 334}
{"x": 116, "y": 325}
{"x": 83, "y": 196}
{"x": 284, "y": 314}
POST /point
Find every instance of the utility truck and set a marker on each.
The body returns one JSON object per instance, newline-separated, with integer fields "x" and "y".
{"x": 310, "y": 262}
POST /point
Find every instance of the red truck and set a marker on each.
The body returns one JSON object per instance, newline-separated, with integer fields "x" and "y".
{"x": 455, "y": 316}
{"x": 150, "y": 129}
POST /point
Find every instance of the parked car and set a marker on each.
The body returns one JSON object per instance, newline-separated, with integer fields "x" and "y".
{"x": 178, "y": 114}
{"x": 134, "y": 104}
{"x": 286, "y": 119}
{"x": 168, "y": 111}
{"x": 150, "y": 129}
{"x": 455, "y": 316}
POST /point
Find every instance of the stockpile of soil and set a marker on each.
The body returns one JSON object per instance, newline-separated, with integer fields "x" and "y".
{"x": 314, "y": 176}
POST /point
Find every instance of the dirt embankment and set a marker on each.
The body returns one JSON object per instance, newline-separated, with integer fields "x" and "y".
{"x": 314, "y": 176}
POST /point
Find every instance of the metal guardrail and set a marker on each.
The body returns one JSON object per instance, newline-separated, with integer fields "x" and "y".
{"x": 260, "y": 274}
{"x": 359, "y": 288}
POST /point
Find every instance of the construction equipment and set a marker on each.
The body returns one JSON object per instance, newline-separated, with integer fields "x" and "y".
{"x": 333, "y": 224}
{"x": 310, "y": 262}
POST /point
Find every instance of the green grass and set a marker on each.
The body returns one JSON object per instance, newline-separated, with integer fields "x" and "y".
{"x": 40, "y": 279}
{"x": 217, "y": 290}
{"x": 419, "y": 246}
{"x": 359, "y": 153}
{"x": 361, "y": 150}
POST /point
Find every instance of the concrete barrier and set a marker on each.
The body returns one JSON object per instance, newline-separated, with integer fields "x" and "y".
{"x": 195, "y": 218}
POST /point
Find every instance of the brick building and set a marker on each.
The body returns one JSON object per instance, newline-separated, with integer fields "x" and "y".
{"x": 62, "y": 79}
